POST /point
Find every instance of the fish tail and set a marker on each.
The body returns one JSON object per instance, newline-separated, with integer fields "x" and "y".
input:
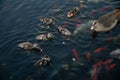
{"x": 75, "y": 54}
{"x": 95, "y": 74}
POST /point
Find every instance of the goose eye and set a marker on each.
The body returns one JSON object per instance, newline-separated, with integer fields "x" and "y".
{"x": 94, "y": 23}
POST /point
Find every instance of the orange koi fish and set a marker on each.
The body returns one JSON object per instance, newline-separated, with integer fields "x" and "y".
{"x": 78, "y": 20}
{"x": 75, "y": 54}
{"x": 98, "y": 64}
{"x": 98, "y": 50}
{"x": 93, "y": 12}
{"x": 109, "y": 39}
{"x": 88, "y": 56}
{"x": 64, "y": 23}
{"x": 104, "y": 8}
{"x": 77, "y": 25}
{"x": 94, "y": 74}
{"x": 110, "y": 67}
{"x": 108, "y": 61}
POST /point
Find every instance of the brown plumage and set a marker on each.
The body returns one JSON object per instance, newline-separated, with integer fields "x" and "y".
{"x": 106, "y": 22}
{"x": 117, "y": 15}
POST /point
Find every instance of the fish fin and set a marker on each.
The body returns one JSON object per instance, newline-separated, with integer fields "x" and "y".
{"x": 94, "y": 34}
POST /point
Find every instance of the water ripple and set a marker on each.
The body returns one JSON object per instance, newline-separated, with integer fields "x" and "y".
{"x": 20, "y": 22}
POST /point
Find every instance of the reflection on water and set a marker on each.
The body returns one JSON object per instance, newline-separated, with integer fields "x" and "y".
{"x": 19, "y": 21}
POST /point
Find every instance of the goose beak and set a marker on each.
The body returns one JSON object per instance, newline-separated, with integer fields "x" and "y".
{"x": 92, "y": 28}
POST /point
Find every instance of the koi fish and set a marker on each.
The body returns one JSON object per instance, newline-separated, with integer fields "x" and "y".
{"x": 93, "y": 12}
{"x": 75, "y": 54}
{"x": 98, "y": 50}
{"x": 110, "y": 67}
{"x": 77, "y": 25}
{"x": 83, "y": 27}
{"x": 109, "y": 39}
{"x": 98, "y": 64}
{"x": 108, "y": 61}
{"x": 94, "y": 74}
{"x": 78, "y": 20}
{"x": 64, "y": 23}
{"x": 104, "y": 8}
{"x": 88, "y": 55}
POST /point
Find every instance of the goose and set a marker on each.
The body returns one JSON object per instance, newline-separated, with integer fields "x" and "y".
{"x": 106, "y": 22}
{"x": 29, "y": 46}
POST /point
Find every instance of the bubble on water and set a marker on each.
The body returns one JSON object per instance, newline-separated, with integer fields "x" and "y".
{"x": 63, "y": 43}
{"x": 73, "y": 59}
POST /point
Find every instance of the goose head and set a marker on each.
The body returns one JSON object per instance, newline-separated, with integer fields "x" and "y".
{"x": 94, "y": 24}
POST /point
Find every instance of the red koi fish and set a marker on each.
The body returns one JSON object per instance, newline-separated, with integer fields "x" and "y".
{"x": 78, "y": 20}
{"x": 94, "y": 74}
{"x": 75, "y": 54}
{"x": 77, "y": 25}
{"x": 88, "y": 56}
{"x": 110, "y": 67}
{"x": 98, "y": 64}
{"x": 64, "y": 23}
{"x": 63, "y": 26}
{"x": 109, "y": 39}
{"x": 93, "y": 12}
{"x": 104, "y": 8}
{"x": 108, "y": 61}
{"x": 98, "y": 50}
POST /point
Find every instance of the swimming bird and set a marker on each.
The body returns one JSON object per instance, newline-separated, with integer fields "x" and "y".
{"x": 65, "y": 32}
{"x": 73, "y": 12}
{"x": 45, "y": 60}
{"x": 29, "y": 46}
{"x": 115, "y": 54}
{"x": 45, "y": 37}
{"x": 106, "y": 22}
{"x": 47, "y": 21}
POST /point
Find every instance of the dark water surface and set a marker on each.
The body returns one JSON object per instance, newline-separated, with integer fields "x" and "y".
{"x": 19, "y": 21}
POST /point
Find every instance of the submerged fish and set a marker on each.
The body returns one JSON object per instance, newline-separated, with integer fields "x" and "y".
{"x": 45, "y": 60}
{"x": 105, "y": 8}
{"x": 95, "y": 1}
{"x": 75, "y": 54}
{"x": 83, "y": 27}
{"x": 106, "y": 62}
{"x": 110, "y": 67}
{"x": 93, "y": 73}
{"x": 88, "y": 56}
{"x": 109, "y": 39}
{"x": 98, "y": 50}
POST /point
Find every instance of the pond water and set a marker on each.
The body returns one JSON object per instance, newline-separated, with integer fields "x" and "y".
{"x": 19, "y": 21}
